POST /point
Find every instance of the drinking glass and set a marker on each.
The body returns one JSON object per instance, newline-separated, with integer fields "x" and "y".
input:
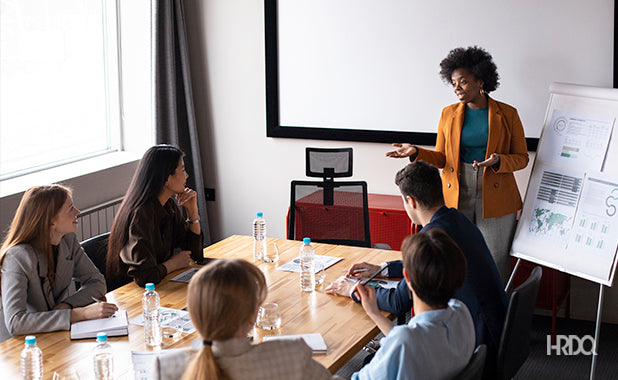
{"x": 320, "y": 274}
{"x": 268, "y": 316}
{"x": 66, "y": 374}
{"x": 272, "y": 253}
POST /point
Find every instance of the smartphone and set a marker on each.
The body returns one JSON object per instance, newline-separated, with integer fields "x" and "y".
{"x": 204, "y": 260}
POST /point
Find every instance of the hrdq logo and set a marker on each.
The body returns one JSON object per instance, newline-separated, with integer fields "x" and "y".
{"x": 571, "y": 345}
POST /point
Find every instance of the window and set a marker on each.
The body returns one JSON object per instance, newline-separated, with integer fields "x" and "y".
{"x": 59, "y": 83}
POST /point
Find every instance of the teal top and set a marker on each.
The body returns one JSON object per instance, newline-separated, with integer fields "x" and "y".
{"x": 474, "y": 134}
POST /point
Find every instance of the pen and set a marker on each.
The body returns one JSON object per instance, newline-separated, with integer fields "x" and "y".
{"x": 356, "y": 270}
{"x": 374, "y": 276}
{"x": 96, "y": 300}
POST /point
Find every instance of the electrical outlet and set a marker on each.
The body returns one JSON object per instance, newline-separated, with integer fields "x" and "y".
{"x": 209, "y": 194}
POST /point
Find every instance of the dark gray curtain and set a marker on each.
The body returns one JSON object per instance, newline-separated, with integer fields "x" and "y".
{"x": 174, "y": 113}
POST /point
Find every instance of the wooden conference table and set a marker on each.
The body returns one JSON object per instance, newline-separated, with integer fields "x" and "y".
{"x": 343, "y": 323}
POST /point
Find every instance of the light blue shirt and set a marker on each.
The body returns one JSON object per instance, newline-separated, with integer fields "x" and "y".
{"x": 436, "y": 344}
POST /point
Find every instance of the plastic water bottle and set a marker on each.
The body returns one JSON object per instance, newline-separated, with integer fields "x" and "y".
{"x": 307, "y": 275}
{"x": 31, "y": 360}
{"x": 259, "y": 237}
{"x": 152, "y": 325}
{"x": 103, "y": 358}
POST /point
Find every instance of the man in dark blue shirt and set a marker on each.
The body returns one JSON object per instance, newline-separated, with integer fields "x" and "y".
{"x": 482, "y": 292}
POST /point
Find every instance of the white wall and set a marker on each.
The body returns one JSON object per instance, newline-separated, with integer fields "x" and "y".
{"x": 251, "y": 172}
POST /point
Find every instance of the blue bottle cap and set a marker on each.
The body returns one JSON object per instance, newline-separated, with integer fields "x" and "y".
{"x": 30, "y": 340}
{"x": 259, "y": 214}
{"x": 306, "y": 240}
{"x": 102, "y": 337}
{"x": 149, "y": 286}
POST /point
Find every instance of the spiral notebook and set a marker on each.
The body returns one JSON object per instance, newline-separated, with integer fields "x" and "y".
{"x": 116, "y": 325}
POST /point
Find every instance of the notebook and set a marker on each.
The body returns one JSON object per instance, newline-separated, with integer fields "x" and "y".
{"x": 315, "y": 341}
{"x": 116, "y": 325}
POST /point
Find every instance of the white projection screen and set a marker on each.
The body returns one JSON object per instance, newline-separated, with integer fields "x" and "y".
{"x": 362, "y": 70}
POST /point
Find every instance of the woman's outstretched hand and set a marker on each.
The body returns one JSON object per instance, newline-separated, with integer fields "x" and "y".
{"x": 405, "y": 150}
{"x": 494, "y": 159}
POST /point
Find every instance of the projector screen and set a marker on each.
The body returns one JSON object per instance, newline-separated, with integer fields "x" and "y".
{"x": 361, "y": 70}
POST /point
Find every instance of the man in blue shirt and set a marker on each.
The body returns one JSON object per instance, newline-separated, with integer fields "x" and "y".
{"x": 439, "y": 340}
{"x": 482, "y": 292}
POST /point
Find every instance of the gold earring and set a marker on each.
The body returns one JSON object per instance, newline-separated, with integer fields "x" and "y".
{"x": 482, "y": 92}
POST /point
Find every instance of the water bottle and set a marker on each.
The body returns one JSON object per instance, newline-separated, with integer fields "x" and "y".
{"x": 307, "y": 275}
{"x": 103, "y": 358}
{"x": 31, "y": 360}
{"x": 152, "y": 325}
{"x": 259, "y": 237}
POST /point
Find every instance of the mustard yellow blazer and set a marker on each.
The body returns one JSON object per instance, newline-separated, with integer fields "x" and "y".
{"x": 506, "y": 138}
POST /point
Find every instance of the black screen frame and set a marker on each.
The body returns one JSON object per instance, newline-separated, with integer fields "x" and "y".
{"x": 275, "y": 129}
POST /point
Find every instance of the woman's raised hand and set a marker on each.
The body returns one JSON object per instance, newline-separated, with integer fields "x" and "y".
{"x": 405, "y": 150}
{"x": 188, "y": 199}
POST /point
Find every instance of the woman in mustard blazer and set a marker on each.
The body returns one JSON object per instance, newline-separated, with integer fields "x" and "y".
{"x": 480, "y": 144}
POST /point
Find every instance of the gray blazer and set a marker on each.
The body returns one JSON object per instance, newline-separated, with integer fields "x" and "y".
{"x": 27, "y": 298}
{"x": 285, "y": 359}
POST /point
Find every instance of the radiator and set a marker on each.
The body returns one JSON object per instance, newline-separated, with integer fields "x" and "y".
{"x": 97, "y": 220}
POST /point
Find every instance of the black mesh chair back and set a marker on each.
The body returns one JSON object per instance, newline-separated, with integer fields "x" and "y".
{"x": 474, "y": 369}
{"x": 96, "y": 250}
{"x": 329, "y": 212}
{"x": 515, "y": 341}
{"x": 328, "y": 163}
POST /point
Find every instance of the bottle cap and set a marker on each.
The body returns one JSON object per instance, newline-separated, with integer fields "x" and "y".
{"x": 149, "y": 286}
{"x": 30, "y": 340}
{"x": 102, "y": 337}
{"x": 306, "y": 240}
{"x": 259, "y": 214}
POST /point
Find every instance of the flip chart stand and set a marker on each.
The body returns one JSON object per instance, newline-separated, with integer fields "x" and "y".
{"x": 597, "y": 332}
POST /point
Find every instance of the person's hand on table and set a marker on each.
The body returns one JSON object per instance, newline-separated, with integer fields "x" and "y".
{"x": 178, "y": 261}
{"x": 340, "y": 287}
{"x": 405, "y": 150}
{"x": 95, "y": 310}
{"x": 494, "y": 159}
{"x": 363, "y": 269}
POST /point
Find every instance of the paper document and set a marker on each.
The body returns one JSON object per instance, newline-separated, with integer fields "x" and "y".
{"x": 116, "y": 325}
{"x": 554, "y": 207}
{"x": 315, "y": 341}
{"x": 377, "y": 282}
{"x": 178, "y": 319}
{"x": 595, "y": 228}
{"x": 576, "y": 140}
{"x": 294, "y": 265}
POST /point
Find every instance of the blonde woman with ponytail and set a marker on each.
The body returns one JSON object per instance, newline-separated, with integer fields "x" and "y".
{"x": 223, "y": 301}
{"x": 40, "y": 257}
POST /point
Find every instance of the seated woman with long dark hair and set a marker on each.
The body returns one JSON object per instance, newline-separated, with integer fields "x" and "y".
{"x": 150, "y": 237}
{"x": 40, "y": 257}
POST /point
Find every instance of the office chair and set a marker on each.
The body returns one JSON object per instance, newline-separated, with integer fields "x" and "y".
{"x": 328, "y": 211}
{"x": 474, "y": 369}
{"x": 96, "y": 250}
{"x": 515, "y": 341}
